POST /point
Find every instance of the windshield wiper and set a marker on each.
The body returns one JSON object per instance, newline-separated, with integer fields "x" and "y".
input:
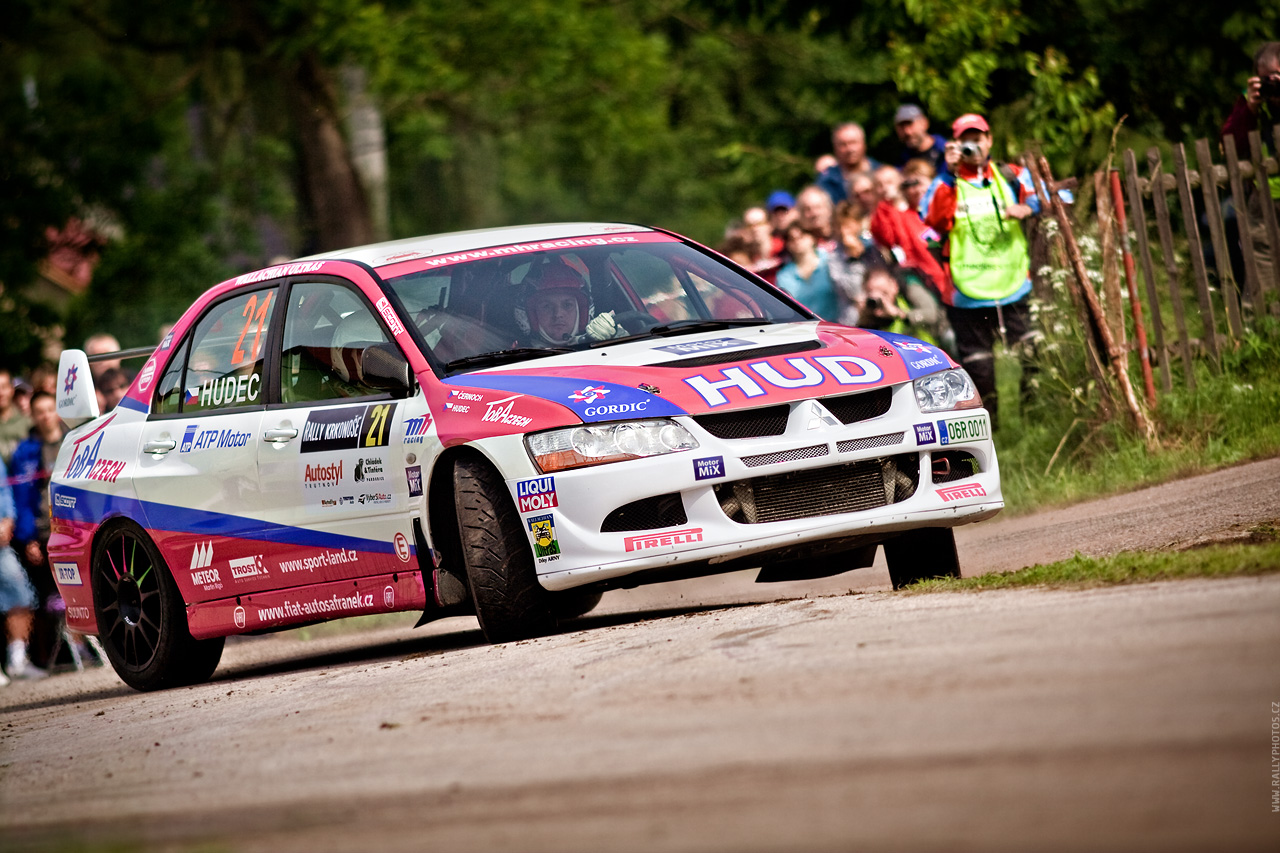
{"x": 503, "y": 356}
{"x": 681, "y": 327}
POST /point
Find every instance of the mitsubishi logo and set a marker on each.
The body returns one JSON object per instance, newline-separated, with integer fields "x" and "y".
{"x": 819, "y": 417}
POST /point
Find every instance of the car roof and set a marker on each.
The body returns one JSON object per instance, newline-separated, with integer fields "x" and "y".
{"x": 395, "y": 251}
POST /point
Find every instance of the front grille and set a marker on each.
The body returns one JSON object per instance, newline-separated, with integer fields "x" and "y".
{"x": 851, "y": 444}
{"x": 646, "y": 514}
{"x": 852, "y": 487}
{"x": 786, "y": 455}
{"x": 852, "y": 408}
{"x": 746, "y": 423}
{"x": 952, "y": 465}
{"x": 741, "y": 355}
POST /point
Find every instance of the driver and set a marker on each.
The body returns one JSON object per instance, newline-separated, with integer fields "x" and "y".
{"x": 557, "y": 309}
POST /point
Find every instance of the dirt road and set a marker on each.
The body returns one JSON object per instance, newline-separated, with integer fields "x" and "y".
{"x": 716, "y": 715}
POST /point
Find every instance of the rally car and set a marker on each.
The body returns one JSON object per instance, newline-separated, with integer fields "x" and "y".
{"x": 506, "y": 422}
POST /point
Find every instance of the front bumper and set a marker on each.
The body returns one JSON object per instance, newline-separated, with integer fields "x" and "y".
{"x": 817, "y": 481}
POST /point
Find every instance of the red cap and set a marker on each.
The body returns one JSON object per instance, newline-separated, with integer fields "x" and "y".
{"x": 969, "y": 121}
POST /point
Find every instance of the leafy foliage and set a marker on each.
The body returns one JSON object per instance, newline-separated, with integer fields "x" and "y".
{"x": 181, "y": 126}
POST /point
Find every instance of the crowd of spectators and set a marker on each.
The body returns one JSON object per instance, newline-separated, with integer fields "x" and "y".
{"x": 930, "y": 245}
{"x": 31, "y": 434}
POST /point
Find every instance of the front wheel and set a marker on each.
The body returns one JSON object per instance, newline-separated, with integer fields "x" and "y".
{"x": 510, "y": 603}
{"x": 929, "y": 552}
{"x": 141, "y": 618}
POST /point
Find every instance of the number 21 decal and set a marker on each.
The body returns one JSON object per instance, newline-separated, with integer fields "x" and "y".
{"x": 238, "y": 355}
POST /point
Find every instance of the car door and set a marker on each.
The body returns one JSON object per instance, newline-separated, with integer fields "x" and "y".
{"x": 330, "y": 442}
{"x": 197, "y": 470}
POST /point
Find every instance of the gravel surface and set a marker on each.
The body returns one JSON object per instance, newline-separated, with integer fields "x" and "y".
{"x": 715, "y": 715}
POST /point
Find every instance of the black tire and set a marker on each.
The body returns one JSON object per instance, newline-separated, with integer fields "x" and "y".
{"x": 142, "y": 619}
{"x": 571, "y": 604}
{"x": 510, "y": 603}
{"x": 929, "y": 552}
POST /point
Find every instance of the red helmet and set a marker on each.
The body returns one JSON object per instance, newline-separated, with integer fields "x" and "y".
{"x": 559, "y": 277}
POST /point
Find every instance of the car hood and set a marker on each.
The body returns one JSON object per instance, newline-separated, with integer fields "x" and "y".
{"x": 714, "y": 371}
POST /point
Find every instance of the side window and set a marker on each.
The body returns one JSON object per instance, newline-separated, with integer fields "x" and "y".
{"x": 326, "y": 329}
{"x": 225, "y": 364}
{"x": 169, "y": 394}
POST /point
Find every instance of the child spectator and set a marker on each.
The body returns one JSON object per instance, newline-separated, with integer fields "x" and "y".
{"x": 917, "y": 175}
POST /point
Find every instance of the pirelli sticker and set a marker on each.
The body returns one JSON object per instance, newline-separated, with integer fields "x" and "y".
{"x": 958, "y": 430}
{"x": 348, "y": 428}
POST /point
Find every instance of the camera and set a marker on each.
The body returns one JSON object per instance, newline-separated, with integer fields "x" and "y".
{"x": 875, "y": 303}
{"x": 970, "y": 150}
{"x": 1270, "y": 86}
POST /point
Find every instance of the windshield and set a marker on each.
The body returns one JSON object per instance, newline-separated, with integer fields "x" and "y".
{"x": 517, "y": 303}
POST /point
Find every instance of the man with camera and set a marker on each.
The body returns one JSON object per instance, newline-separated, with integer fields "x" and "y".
{"x": 1258, "y": 108}
{"x": 977, "y": 210}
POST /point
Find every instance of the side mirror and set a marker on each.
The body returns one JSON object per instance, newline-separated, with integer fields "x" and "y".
{"x": 77, "y": 402}
{"x": 383, "y": 366}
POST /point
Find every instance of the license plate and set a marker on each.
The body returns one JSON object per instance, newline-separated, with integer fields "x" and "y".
{"x": 964, "y": 429}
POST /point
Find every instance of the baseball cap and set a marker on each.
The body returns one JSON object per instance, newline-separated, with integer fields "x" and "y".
{"x": 969, "y": 121}
{"x": 907, "y": 112}
{"x": 779, "y": 198}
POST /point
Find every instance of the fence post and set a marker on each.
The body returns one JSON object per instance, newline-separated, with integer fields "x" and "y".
{"x": 1119, "y": 363}
{"x": 1113, "y": 307}
{"x": 1196, "y": 249}
{"x": 1268, "y": 210}
{"x": 1213, "y": 209}
{"x": 1244, "y": 226}
{"x": 1161, "y": 204}
{"x": 1148, "y": 271}
{"x": 1135, "y": 302}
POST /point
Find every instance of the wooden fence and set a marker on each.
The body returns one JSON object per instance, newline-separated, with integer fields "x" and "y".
{"x": 1223, "y": 297}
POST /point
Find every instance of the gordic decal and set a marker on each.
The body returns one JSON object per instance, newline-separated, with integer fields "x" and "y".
{"x": 955, "y": 493}
{"x": 918, "y": 357}
{"x": 538, "y": 494}
{"x": 657, "y": 540}
{"x": 805, "y": 372}
{"x": 347, "y": 428}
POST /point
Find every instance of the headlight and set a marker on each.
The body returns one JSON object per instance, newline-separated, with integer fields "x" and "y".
{"x": 946, "y": 390}
{"x": 577, "y": 447}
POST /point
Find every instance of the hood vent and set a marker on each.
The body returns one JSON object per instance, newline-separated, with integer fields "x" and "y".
{"x": 727, "y": 356}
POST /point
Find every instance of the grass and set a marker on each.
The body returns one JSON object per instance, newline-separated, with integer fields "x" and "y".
{"x": 1057, "y": 446}
{"x": 1259, "y": 557}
